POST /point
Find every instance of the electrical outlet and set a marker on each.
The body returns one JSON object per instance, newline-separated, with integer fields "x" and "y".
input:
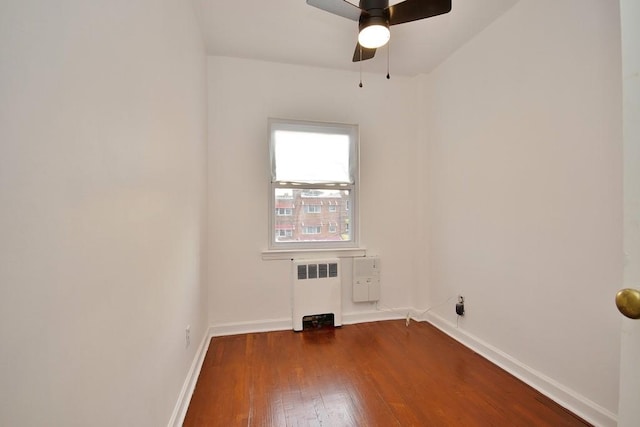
{"x": 460, "y": 306}
{"x": 187, "y": 335}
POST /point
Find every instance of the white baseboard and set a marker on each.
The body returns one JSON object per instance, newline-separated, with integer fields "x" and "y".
{"x": 374, "y": 316}
{"x": 286, "y": 324}
{"x": 223, "y": 329}
{"x": 576, "y": 403}
{"x": 180, "y": 410}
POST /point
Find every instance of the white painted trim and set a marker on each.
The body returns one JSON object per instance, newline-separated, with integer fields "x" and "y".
{"x": 184, "y": 398}
{"x": 564, "y": 396}
{"x": 288, "y": 254}
{"x": 250, "y": 327}
{"x": 373, "y": 316}
{"x": 287, "y": 324}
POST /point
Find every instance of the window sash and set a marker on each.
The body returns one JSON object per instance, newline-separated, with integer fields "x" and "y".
{"x": 306, "y": 240}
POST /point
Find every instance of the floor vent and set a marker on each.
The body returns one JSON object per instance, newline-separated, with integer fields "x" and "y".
{"x": 318, "y": 321}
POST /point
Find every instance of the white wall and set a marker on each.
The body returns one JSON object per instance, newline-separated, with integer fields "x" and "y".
{"x": 525, "y": 195}
{"x": 102, "y": 177}
{"x": 243, "y": 94}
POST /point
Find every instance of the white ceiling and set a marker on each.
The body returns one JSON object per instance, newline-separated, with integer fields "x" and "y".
{"x": 290, "y": 31}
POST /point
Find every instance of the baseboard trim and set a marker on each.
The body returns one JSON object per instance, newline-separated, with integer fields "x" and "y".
{"x": 224, "y": 329}
{"x": 184, "y": 398}
{"x": 373, "y": 316}
{"x": 573, "y": 401}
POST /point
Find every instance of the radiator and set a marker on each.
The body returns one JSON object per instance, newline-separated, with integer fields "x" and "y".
{"x": 317, "y": 291}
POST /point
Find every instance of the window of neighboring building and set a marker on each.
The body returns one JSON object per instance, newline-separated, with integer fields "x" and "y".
{"x": 312, "y": 209}
{"x": 313, "y": 165}
{"x": 284, "y": 233}
{"x": 284, "y": 211}
{"x": 312, "y": 230}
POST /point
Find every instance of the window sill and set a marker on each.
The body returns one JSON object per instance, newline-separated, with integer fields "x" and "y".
{"x": 288, "y": 254}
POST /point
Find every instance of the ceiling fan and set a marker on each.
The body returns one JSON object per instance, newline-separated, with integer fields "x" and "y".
{"x": 375, "y": 16}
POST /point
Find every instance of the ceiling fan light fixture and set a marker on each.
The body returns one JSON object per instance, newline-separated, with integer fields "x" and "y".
{"x": 374, "y": 32}
{"x": 374, "y": 36}
{"x": 376, "y": 16}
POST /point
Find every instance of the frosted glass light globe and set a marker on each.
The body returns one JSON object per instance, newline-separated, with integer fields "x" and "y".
{"x": 374, "y": 36}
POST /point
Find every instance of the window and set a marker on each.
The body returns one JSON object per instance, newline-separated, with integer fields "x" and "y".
{"x": 312, "y": 230}
{"x": 284, "y": 233}
{"x": 314, "y": 173}
{"x": 312, "y": 209}
{"x": 284, "y": 211}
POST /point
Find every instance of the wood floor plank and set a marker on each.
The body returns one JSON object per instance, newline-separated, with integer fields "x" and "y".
{"x": 370, "y": 374}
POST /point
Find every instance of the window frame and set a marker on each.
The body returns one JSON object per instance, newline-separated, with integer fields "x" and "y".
{"x": 352, "y": 131}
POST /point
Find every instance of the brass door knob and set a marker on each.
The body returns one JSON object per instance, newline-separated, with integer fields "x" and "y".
{"x": 628, "y": 302}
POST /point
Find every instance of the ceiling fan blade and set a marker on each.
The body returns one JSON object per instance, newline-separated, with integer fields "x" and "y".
{"x": 366, "y": 53}
{"x": 338, "y": 7}
{"x": 412, "y": 10}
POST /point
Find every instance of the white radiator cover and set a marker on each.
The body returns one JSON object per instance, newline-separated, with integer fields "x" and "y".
{"x": 316, "y": 289}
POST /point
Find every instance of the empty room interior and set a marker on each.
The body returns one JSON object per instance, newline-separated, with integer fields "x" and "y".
{"x": 143, "y": 214}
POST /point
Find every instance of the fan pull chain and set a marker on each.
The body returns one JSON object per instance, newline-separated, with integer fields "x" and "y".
{"x": 388, "y": 55}
{"x": 360, "y": 85}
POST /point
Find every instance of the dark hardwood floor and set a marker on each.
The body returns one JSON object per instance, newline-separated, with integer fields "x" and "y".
{"x": 369, "y": 374}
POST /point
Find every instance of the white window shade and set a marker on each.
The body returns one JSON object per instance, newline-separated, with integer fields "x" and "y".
{"x": 311, "y": 158}
{"x": 311, "y": 154}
